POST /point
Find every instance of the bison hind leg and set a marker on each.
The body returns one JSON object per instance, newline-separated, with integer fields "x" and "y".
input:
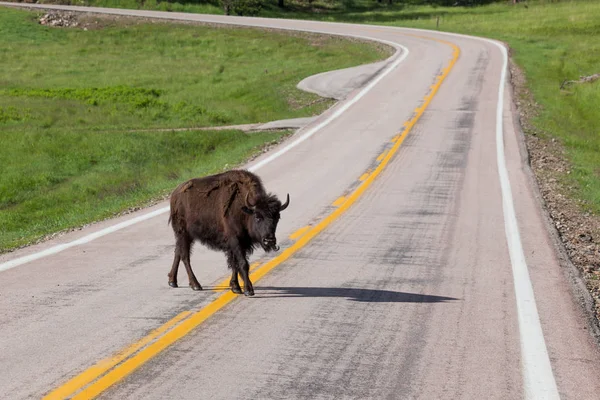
{"x": 185, "y": 256}
{"x": 183, "y": 248}
{"x": 174, "y": 268}
{"x": 173, "y": 273}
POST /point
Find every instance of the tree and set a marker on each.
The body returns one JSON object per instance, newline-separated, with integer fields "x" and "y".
{"x": 227, "y": 6}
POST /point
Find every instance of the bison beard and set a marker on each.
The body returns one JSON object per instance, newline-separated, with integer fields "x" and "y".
{"x": 229, "y": 212}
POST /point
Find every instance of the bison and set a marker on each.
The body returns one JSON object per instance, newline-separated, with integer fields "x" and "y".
{"x": 229, "y": 212}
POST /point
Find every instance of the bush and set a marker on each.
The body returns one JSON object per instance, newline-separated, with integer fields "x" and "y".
{"x": 242, "y": 7}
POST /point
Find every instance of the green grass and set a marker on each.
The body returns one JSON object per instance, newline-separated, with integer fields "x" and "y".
{"x": 79, "y": 109}
{"x": 160, "y": 75}
{"x": 52, "y": 180}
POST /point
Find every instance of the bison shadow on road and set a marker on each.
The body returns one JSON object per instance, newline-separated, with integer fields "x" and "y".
{"x": 353, "y": 294}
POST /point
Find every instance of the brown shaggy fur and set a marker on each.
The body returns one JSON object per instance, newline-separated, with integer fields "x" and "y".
{"x": 229, "y": 212}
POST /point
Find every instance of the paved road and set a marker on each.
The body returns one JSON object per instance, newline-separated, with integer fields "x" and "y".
{"x": 409, "y": 294}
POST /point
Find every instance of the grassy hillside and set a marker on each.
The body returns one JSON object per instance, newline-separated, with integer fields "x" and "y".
{"x": 79, "y": 110}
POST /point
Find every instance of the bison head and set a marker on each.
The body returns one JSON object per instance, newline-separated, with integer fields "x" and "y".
{"x": 265, "y": 216}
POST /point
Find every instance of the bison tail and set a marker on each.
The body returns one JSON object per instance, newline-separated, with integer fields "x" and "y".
{"x": 172, "y": 215}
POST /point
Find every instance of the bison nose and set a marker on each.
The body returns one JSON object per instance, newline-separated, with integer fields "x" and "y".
{"x": 270, "y": 240}
{"x": 270, "y": 243}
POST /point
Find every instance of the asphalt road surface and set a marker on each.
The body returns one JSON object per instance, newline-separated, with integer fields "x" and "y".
{"x": 414, "y": 285}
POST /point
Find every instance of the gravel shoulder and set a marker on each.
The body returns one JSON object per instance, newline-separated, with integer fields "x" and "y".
{"x": 576, "y": 230}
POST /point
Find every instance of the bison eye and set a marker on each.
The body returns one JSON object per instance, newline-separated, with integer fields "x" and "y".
{"x": 258, "y": 217}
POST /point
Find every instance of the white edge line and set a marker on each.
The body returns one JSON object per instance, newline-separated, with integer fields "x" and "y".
{"x": 342, "y": 109}
{"x": 85, "y": 239}
{"x": 88, "y": 238}
{"x": 538, "y": 378}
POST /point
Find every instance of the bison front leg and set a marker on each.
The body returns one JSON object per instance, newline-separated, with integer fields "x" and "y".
{"x": 244, "y": 270}
{"x": 234, "y": 284}
{"x": 239, "y": 264}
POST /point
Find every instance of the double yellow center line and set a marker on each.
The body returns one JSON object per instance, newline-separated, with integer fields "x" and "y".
{"x": 107, "y": 372}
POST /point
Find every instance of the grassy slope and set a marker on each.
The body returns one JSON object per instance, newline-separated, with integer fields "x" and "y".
{"x": 158, "y": 75}
{"x": 68, "y": 97}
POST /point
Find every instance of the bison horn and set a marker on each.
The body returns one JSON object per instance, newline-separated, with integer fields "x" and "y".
{"x": 286, "y": 204}
{"x": 248, "y": 204}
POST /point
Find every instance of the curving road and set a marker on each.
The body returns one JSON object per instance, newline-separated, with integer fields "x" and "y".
{"x": 431, "y": 278}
